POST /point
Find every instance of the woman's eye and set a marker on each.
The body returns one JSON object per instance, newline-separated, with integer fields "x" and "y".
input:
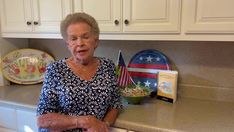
{"x": 85, "y": 37}
{"x": 73, "y": 39}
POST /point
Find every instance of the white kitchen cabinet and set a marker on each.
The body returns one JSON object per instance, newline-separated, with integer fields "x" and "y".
{"x": 133, "y": 16}
{"x": 32, "y": 16}
{"x": 8, "y": 119}
{"x": 208, "y": 16}
{"x": 151, "y": 16}
{"x": 106, "y": 12}
{"x": 26, "y": 121}
{"x": 193, "y": 20}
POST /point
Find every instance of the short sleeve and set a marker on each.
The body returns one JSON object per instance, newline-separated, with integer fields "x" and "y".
{"x": 48, "y": 101}
{"x": 116, "y": 98}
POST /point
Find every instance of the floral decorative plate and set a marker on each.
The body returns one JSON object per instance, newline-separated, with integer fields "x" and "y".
{"x": 144, "y": 66}
{"x": 25, "y": 66}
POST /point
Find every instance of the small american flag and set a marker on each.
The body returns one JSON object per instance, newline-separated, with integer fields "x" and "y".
{"x": 124, "y": 77}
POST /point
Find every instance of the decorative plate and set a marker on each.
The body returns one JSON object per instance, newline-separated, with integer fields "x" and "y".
{"x": 25, "y": 66}
{"x": 144, "y": 66}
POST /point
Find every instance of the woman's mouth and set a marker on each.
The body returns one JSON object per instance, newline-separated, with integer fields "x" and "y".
{"x": 82, "y": 52}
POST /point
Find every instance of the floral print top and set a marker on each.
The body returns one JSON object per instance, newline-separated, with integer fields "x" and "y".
{"x": 64, "y": 92}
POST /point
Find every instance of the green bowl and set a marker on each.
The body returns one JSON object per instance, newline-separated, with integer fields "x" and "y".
{"x": 135, "y": 94}
{"x": 133, "y": 99}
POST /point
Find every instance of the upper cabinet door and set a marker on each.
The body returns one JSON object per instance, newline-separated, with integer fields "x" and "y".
{"x": 156, "y": 16}
{"x": 106, "y": 12}
{"x": 49, "y": 13}
{"x": 16, "y": 16}
{"x": 208, "y": 16}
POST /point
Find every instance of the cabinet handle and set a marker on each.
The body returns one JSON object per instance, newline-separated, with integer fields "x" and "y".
{"x": 116, "y": 22}
{"x": 29, "y": 23}
{"x": 126, "y": 22}
{"x": 35, "y": 23}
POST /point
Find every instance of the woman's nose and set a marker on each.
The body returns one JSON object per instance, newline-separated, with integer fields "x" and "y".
{"x": 80, "y": 41}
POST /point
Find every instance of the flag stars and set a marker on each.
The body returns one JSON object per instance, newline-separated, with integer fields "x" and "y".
{"x": 157, "y": 59}
{"x": 155, "y": 84}
{"x": 149, "y": 58}
{"x": 141, "y": 58}
{"x": 147, "y": 83}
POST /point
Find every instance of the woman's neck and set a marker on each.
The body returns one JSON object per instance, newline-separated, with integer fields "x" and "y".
{"x": 83, "y": 63}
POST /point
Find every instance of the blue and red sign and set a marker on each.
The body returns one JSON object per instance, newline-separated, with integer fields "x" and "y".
{"x": 144, "y": 67}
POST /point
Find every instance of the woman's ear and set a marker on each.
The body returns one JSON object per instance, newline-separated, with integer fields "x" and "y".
{"x": 67, "y": 43}
{"x": 96, "y": 43}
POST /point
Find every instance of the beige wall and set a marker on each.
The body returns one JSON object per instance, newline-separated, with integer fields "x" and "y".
{"x": 206, "y": 69}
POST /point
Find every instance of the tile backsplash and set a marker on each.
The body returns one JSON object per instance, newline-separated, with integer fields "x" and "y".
{"x": 206, "y": 69}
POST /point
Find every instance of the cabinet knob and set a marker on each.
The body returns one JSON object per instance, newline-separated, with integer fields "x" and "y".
{"x": 35, "y": 23}
{"x": 29, "y": 23}
{"x": 116, "y": 22}
{"x": 126, "y": 22}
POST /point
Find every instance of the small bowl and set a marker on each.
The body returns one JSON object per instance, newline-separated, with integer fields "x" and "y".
{"x": 134, "y": 99}
{"x": 135, "y": 94}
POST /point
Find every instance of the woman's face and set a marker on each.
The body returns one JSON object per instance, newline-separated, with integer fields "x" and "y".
{"x": 81, "y": 42}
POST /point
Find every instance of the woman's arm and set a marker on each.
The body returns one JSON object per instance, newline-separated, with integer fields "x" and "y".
{"x": 55, "y": 121}
{"x": 59, "y": 122}
{"x": 111, "y": 116}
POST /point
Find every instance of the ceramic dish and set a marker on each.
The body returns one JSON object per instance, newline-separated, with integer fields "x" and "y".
{"x": 144, "y": 66}
{"x": 25, "y": 66}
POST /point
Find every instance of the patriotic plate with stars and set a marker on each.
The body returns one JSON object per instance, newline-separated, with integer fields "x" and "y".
{"x": 145, "y": 65}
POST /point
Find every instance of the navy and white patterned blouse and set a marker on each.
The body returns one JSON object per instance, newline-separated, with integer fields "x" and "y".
{"x": 66, "y": 93}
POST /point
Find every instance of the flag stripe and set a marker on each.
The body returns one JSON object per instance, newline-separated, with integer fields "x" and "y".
{"x": 150, "y": 66}
{"x": 154, "y": 71}
{"x": 124, "y": 77}
{"x": 140, "y": 74}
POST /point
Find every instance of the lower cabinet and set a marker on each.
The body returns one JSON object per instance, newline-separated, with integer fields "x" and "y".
{"x": 14, "y": 120}
{"x": 8, "y": 118}
{"x": 17, "y": 120}
{"x": 26, "y": 121}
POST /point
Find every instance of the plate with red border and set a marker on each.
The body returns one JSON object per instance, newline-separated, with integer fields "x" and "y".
{"x": 25, "y": 66}
{"x": 145, "y": 65}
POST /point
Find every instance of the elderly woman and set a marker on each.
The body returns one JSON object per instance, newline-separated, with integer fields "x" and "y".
{"x": 79, "y": 93}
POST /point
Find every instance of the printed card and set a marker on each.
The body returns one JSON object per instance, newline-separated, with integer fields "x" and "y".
{"x": 167, "y": 85}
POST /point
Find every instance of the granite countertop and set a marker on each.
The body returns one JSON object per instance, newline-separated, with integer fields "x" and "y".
{"x": 186, "y": 114}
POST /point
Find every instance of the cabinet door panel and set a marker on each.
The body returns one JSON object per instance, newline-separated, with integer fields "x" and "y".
{"x": 157, "y": 16}
{"x": 49, "y": 13}
{"x": 26, "y": 121}
{"x": 15, "y": 15}
{"x": 8, "y": 118}
{"x": 209, "y": 16}
{"x": 104, "y": 11}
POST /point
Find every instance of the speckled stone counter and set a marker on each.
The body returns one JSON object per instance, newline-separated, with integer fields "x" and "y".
{"x": 153, "y": 115}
